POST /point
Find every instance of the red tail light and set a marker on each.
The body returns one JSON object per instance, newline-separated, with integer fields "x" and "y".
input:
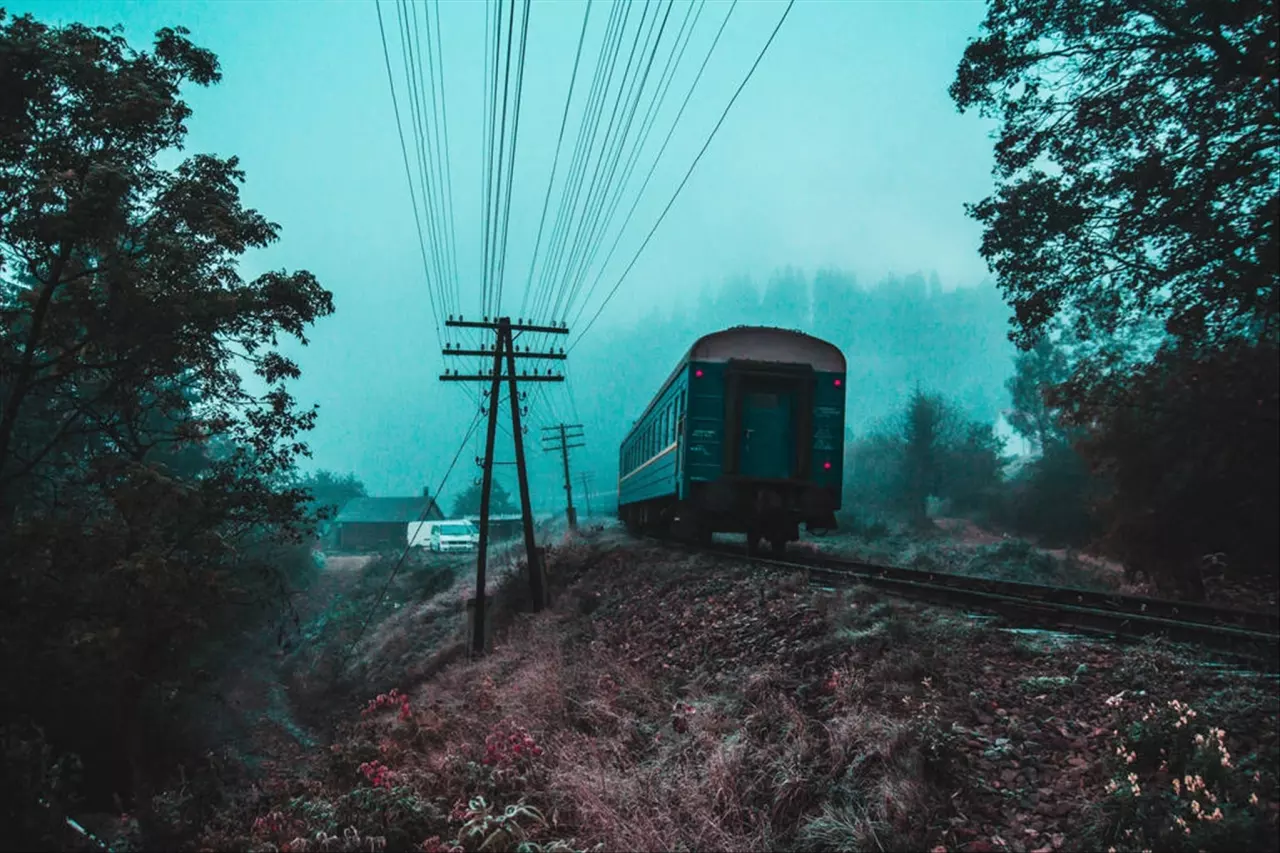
{"x": 697, "y": 373}
{"x": 826, "y": 466}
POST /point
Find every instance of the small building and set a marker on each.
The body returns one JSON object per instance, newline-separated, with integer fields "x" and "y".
{"x": 377, "y": 524}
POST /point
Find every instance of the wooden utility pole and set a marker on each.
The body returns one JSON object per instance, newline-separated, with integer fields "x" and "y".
{"x": 559, "y": 439}
{"x": 586, "y": 489}
{"x": 504, "y": 348}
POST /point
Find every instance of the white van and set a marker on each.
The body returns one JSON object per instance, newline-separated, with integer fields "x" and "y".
{"x": 420, "y": 532}
{"x": 454, "y": 536}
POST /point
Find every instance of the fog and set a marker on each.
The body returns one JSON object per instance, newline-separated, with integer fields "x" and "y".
{"x": 830, "y": 200}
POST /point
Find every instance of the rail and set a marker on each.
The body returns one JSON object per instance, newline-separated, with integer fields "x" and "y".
{"x": 1253, "y": 636}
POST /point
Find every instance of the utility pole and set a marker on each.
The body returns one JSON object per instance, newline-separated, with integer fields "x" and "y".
{"x": 586, "y": 489}
{"x": 559, "y": 438}
{"x": 504, "y": 348}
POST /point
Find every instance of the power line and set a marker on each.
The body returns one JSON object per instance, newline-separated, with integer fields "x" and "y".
{"x": 653, "y": 168}
{"x": 564, "y": 120}
{"x": 491, "y": 117}
{"x": 612, "y": 42}
{"x": 443, "y": 135}
{"x": 612, "y": 151}
{"x": 664, "y": 85}
{"x": 491, "y": 263}
{"x": 515, "y": 135}
{"x": 553, "y": 274}
{"x": 404, "y": 150}
{"x": 692, "y": 166}
{"x": 417, "y": 110}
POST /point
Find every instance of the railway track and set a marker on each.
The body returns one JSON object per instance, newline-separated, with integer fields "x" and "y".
{"x": 1251, "y": 636}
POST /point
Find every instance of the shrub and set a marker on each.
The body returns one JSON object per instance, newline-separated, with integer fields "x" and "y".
{"x": 1175, "y": 785}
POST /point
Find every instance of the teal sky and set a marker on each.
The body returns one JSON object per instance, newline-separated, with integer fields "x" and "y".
{"x": 843, "y": 149}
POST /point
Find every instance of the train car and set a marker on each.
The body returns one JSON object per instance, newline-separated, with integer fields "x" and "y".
{"x": 745, "y": 436}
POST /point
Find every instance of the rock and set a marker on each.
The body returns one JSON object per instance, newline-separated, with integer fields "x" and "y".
{"x": 1008, "y": 776}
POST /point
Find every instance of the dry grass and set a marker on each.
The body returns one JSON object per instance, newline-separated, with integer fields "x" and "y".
{"x": 668, "y": 703}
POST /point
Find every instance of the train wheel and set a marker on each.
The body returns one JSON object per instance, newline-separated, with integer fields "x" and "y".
{"x": 753, "y": 543}
{"x": 779, "y": 546}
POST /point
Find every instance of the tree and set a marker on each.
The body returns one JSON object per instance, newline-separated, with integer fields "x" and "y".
{"x": 973, "y": 468}
{"x": 142, "y": 487}
{"x": 1189, "y": 449}
{"x": 929, "y": 449}
{"x": 330, "y": 492}
{"x": 923, "y": 428}
{"x": 1137, "y": 163}
{"x": 1136, "y": 201}
{"x": 1036, "y": 372}
{"x": 468, "y": 503}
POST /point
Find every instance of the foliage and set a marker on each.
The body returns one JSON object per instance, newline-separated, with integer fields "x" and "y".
{"x": 1189, "y": 445}
{"x": 144, "y": 490}
{"x": 468, "y": 503}
{"x": 1035, "y": 372}
{"x": 1175, "y": 785}
{"x": 928, "y": 450}
{"x": 1053, "y": 497}
{"x": 330, "y": 492}
{"x": 923, "y": 424}
{"x": 1136, "y": 201}
{"x": 1136, "y": 163}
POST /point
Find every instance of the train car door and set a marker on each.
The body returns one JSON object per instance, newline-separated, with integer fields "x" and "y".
{"x": 765, "y": 440}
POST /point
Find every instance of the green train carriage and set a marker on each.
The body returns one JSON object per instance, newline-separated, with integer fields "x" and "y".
{"x": 745, "y": 436}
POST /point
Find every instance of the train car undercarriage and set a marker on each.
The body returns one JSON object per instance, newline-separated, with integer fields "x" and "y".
{"x": 763, "y": 511}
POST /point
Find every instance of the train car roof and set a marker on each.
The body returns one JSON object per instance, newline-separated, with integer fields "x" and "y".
{"x": 767, "y": 343}
{"x": 754, "y": 343}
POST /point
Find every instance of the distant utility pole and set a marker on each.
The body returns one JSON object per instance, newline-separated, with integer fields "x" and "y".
{"x": 504, "y": 347}
{"x": 586, "y": 489}
{"x": 558, "y": 437}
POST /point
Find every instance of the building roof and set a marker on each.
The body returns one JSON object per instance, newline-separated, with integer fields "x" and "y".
{"x": 388, "y": 511}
